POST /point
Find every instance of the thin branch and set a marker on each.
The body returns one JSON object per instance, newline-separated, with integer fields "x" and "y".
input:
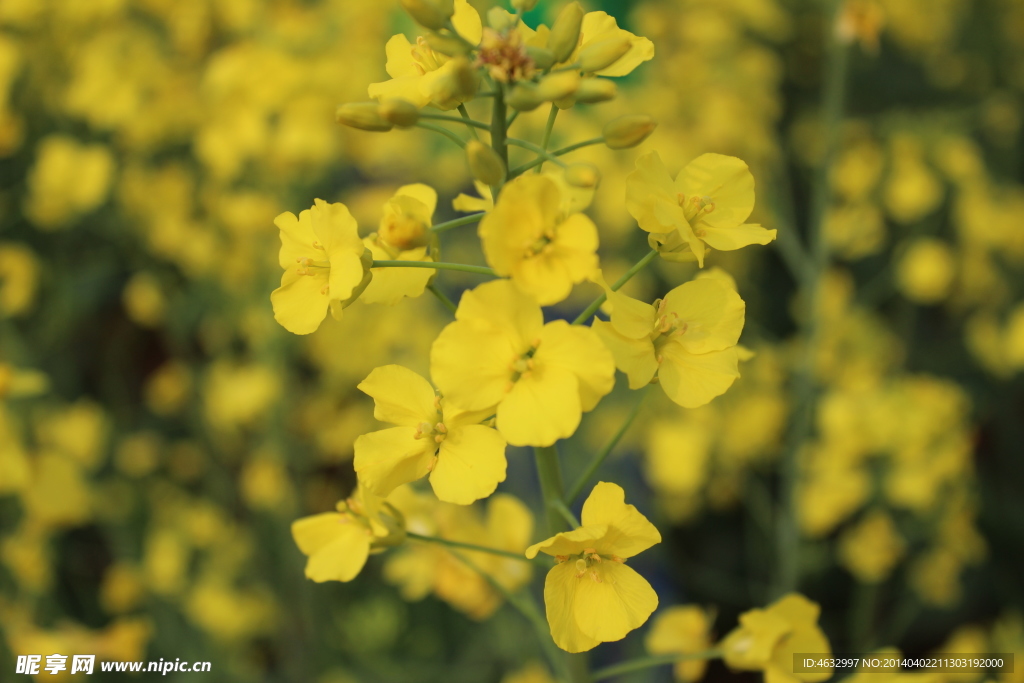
{"x": 596, "y": 303}
{"x": 480, "y": 270}
{"x": 443, "y": 298}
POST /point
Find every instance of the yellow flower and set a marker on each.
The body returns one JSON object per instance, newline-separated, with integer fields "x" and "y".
{"x": 499, "y": 355}
{"x": 600, "y": 26}
{"x": 706, "y": 204}
{"x": 421, "y": 75}
{"x": 872, "y": 548}
{"x": 325, "y": 263}
{"x": 591, "y": 596}
{"x": 465, "y": 203}
{"x": 465, "y": 459}
{"x": 688, "y": 339}
{"x": 766, "y": 640}
{"x": 529, "y": 238}
{"x": 338, "y": 543}
{"x": 681, "y": 629}
{"x": 403, "y": 234}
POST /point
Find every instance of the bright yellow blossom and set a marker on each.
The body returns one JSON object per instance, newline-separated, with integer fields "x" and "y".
{"x": 706, "y": 204}
{"x": 591, "y": 595}
{"x": 464, "y": 458}
{"x": 766, "y": 640}
{"x": 325, "y": 262}
{"x": 682, "y": 629}
{"x": 529, "y": 238}
{"x": 418, "y": 73}
{"x": 539, "y": 379}
{"x": 403, "y": 234}
{"x": 338, "y": 543}
{"x": 688, "y": 339}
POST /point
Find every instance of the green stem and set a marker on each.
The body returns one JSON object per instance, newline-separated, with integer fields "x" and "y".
{"x": 536, "y": 149}
{"x": 558, "y": 152}
{"x": 480, "y": 270}
{"x": 602, "y": 455}
{"x": 511, "y": 119}
{"x": 443, "y": 298}
{"x": 443, "y": 131}
{"x": 596, "y": 303}
{"x": 457, "y": 222}
{"x": 805, "y": 388}
{"x": 549, "y": 471}
{"x": 498, "y": 126}
{"x": 650, "y": 662}
{"x": 465, "y": 119}
{"x": 862, "y": 616}
{"x": 552, "y": 115}
{"x": 469, "y": 546}
{"x": 566, "y": 513}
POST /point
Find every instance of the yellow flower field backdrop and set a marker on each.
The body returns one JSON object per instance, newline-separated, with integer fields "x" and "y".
{"x": 448, "y": 340}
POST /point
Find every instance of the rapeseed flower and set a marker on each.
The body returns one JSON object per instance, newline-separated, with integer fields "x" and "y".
{"x": 403, "y": 235}
{"x": 591, "y": 596}
{"x": 464, "y": 458}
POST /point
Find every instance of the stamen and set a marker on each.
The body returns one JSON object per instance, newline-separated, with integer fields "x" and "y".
{"x": 594, "y": 575}
{"x": 317, "y": 245}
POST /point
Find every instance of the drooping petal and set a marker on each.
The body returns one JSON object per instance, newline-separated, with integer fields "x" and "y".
{"x": 635, "y": 357}
{"x": 579, "y": 350}
{"x": 386, "y": 459}
{"x": 727, "y": 181}
{"x": 560, "y": 587}
{"x": 400, "y": 396}
{"x": 300, "y": 303}
{"x": 336, "y": 544}
{"x": 629, "y": 532}
{"x": 542, "y": 407}
{"x": 729, "y": 239}
{"x": 609, "y": 608}
{"x": 693, "y": 380}
{"x": 470, "y": 464}
{"x": 711, "y": 310}
{"x": 471, "y": 363}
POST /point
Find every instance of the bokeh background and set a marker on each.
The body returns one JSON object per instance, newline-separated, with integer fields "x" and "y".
{"x": 159, "y": 431}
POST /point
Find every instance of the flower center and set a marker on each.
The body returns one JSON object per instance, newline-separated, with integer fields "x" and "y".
{"x": 424, "y": 58}
{"x": 400, "y": 231}
{"x": 668, "y": 323}
{"x": 437, "y": 432}
{"x": 522, "y": 366}
{"x": 588, "y": 562}
{"x": 695, "y": 208}
{"x": 539, "y": 246}
{"x": 505, "y": 56}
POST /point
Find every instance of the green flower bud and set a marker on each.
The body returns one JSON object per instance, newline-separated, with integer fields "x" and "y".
{"x": 362, "y": 115}
{"x": 565, "y": 32}
{"x": 557, "y": 86}
{"x": 628, "y": 131}
{"x": 401, "y": 113}
{"x": 446, "y": 44}
{"x": 593, "y": 90}
{"x": 582, "y": 175}
{"x": 524, "y": 5}
{"x": 542, "y": 57}
{"x": 484, "y": 163}
{"x": 524, "y": 97}
{"x": 603, "y": 53}
{"x": 432, "y": 14}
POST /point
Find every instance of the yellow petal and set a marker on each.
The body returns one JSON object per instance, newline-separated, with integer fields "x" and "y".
{"x": 542, "y": 407}
{"x": 629, "y": 532}
{"x": 336, "y": 544}
{"x": 727, "y": 181}
{"x": 568, "y": 542}
{"x": 804, "y": 638}
{"x": 645, "y": 186}
{"x": 630, "y": 317}
{"x": 300, "y": 303}
{"x": 693, "y": 380}
{"x": 470, "y": 464}
{"x": 386, "y": 459}
{"x": 749, "y": 646}
{"x": 729, "y": 239}
{"x": 390, "y": 285}
{"x": 621, "y": 601}
{"x": 399, "y": 53}
{"x": 404, "y": 88}
{"x": 400, "y": 396}
{"x": 509, "y": 522}
{"x": 470, "y": 364}
{"x": 467, "y": 22}
{"x": 424, "y": 194}
{"x": 580, "y": 351}
{"x": 501, "y": 304}
{"x": 297, "y": 239}
{"x": 712, "y": 311}
{"x": 635, "y": 357}
{"x": 560, "y": 587}
{"x": 599, "y": 26}
{"x": 796, "y": 609}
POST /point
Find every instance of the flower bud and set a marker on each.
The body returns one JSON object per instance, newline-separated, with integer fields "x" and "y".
{"x": 500, "y": 20}
{"x": 565, "y": 32}
{"x": 467, "y": 79}
{"x": 524, "y": 97}
{"x": 628, "y": 131}
{"x": 541, "y": 57}
{"x": 524, "y": 5}
{"x": 603, "y": 53}
{"x": 582, "y": 175}
{"x": 484, "y": 163}
{"x": 432, "y": 14}
{"x": 594, "y": 90}
{"x": 557, "y": 86}
{"x": 446, "y": 44}
{"x": 671, "y": 246}
{"x": 362, "y": 115}
{"x": 401, "y": 113}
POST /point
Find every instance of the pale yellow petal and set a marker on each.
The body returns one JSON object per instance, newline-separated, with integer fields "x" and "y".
{"x": 501, "y": 304}
{"x": 729, "y": 239}
{"x": 629, "y": 532}
{"x": 300, "y": 303}
{"x": 693, "y": 380}
{"x": 297, "y": 239}
{"x": 560, "y": 587}
{"x": 343, "y": 558}
{"x": 568, "y": 542}
{"x": 470, "y": 364}
{"x": 425, "y": 194}
{"x": 609, "y": 608}
{"x": 386, "y": 459}
{"x": 579, "y": 350}
{"x": 399, "y": 53}
{"x": 470, "y": 465}
{"x": 542, "y": 407}
{"x": 648, "y": 184}
{"x": 712, "y": 312}
{"x": 467, "y": 22}
{"x": 400, "y": 396}
{"x": 635, "y": 357}
{"x": 727, "y": 181}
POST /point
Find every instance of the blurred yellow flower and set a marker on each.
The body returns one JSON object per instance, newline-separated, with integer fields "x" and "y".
{"x": 499, "y": 354}
{"x": 682, "y": 629}
{"x": 872, "y": 548}
{"x": 403, "y": 235}
{"x": 325, "y": 263}
{"x": 926, "y": 270}
{"x": 465, "y": 459}
{"x": 706, "y": 204}
{"x": 528, "y": 238}
{"x": 68, "y": 180}
{"x": 591, "y": 596}
{"x": 19, "y": 278}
